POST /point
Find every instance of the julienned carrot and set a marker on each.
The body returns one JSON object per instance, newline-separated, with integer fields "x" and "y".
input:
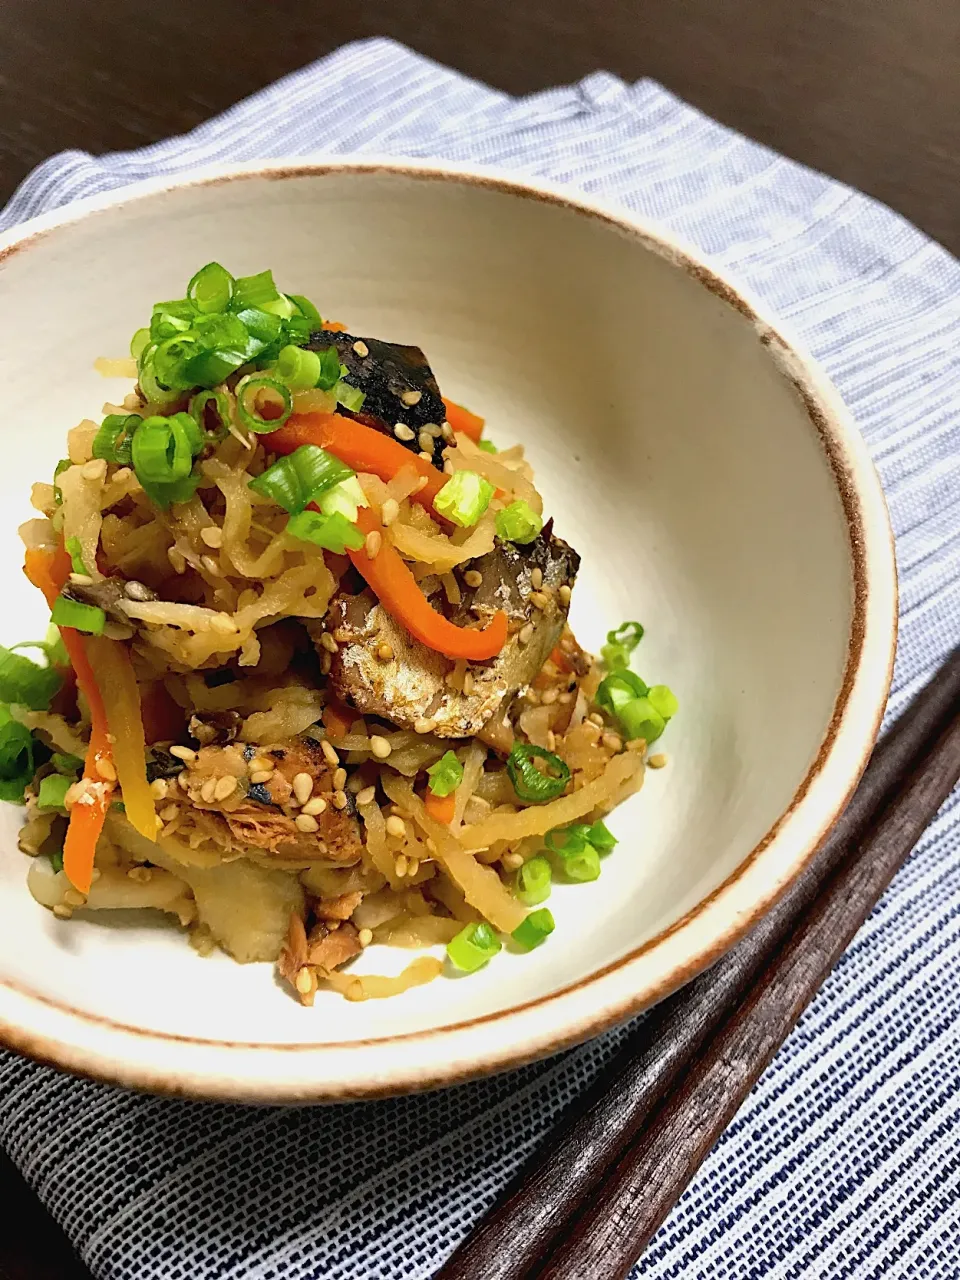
{"x": 463, "y": 420}
{"x": 398, "y": 591}
{"x": 441, "y": 808}
{"x": 360, "y": 447}
{"x": 48, "y": 571}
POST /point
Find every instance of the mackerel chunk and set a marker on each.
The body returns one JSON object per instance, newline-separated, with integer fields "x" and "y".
{"x": 390, "y": 377}
{"x": 410, "y": 686}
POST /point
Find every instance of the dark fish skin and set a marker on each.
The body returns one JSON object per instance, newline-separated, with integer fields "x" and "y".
{"x": 383, "y": 375}
{"x": 411, "y": 685}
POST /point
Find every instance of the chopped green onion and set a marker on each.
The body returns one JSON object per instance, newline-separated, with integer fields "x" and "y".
{"x": 464, "y": 498}
{"x": 247, "y": 391}
{"x": 296, "y": 329}
{"x": 487, "y": 446}
{"x": 172, "y": 360}
{"x": 300, "y": 477}
{"x": 473, "y": 947}
{"x": 260, "y": 325}
{"x": 75, "y": 551}
{"x": 63, "y": 465}
{"x": 254, "y": 291}
{"x": 211, "y": 412}
{"x": 518, "y": 523}
{"x": 621, "y": 642}
{"x": 582, "y": 866}
{"x": 528, "y": 781}
{"x": 333, "y": 533}
{"x": 26, "y": 682}
{"x": 211, "y": 289}
{"x": 16, "y": 757}
{"x": 343, "y": 498}
{"x": 533, "y": 881}
{"x": 114, "y": 437}
{"x": 566, "y": 841}
{"x": 350, "y": 397}
{"x": 170, "y": 318}
{"x": 56, "y": 860}
{"x": 537, "y": 927}
{"x": 664, "y": 701}
{"x": 619, "y": 688}
{"x": 176, "y": 491}
{"x": 64, "y": 763}
{"x": 298, "y": 368}
{"x": 163, "y": 449}
{"x": 138, "y": 342}
{"x": 151, "y": 386}
{"x": 52, "y": 792}
{"x": 281, "y": 306}
{"x": 641, "y": 719}
{"x": 601, "y": 837}
{"x": 82, "y": 617}
{"x": 446, "y": 775}
{"x": 307, "y": 310}
{"x": 329, "y": 374}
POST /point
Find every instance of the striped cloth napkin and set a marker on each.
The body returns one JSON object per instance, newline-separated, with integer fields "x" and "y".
{"x": 844, "y": 1161}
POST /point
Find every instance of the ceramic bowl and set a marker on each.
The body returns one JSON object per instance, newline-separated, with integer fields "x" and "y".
{"x": 709, "y": 476}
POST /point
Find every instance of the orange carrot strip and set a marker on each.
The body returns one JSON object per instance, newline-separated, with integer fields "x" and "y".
{"x": 334, "y": 326}
{"x": 440, "y": 808}
{"x": 363, "y": 448}
{"x": 398, "y": 591}
{"x": 463, "y": 420}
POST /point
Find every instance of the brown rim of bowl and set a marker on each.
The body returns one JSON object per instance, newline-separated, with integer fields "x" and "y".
{"x": 797, "y": 370}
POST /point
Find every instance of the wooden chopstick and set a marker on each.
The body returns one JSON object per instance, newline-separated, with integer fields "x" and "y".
{"x": 601, "y": 1184}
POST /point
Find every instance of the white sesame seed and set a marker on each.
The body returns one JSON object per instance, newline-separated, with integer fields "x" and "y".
{"x": 303, "y": 787}
{"x": 410, "y": 398}
{"x": 372, "y": 543}
{"x": 447, "y": 432}
{"x": 468, "y": 683}
{"x": 612, "y": 742}
{"x": 210, "y": 565}
{"x": 551, "y": 740}
{"x": 208, "y": 790}
{"x": 365, "y": 937}
{"x": 389, "y": 511}
{"x": 366, "y": 795}
{"x": 380, "y": 747}
{"x": 536, "y": 578}
{"x": 539, "y": 600}
{"x": 339, "y": 779}
{"x": 385, "y": 652}
{"x": 306, "y": 822}
{"x": 225, "y": 787}
{"x": 306, "y": 981}
{"x": 81, "y": 579}
{"x": 526, "y": 633}
{"x": 183, "y": 753}
{"x": 177, "y": 559}
{"x": 261, "y": 775}
{"x": 314, "y": 807}
{"x": 106, "y": 769}
{"x": 425, "y": 455}
{"x": 95, "y": 469}
{"x": 326, "y": 662}
{"x": 183, "y": 780}
{"x": 403, "y": 432}
{"x": 431, "y": 844}
{"x": 596, "y": 717}
{"x": 424, "y": 725}
{"x": 329, "y": 754}
{"x": 413, "y": 867}
{"x": 512, "y": 861}
{"x": 213, "y": 536}
{"x": 396, "y": 826}
{"x": 425, "y": 441}
{"x": 169, "y": 812}
{"x": 473, "y": 577}
{"x": 400, "y": 865}
{"x": 565, "y": 593}
{"x": 361, "y": 348}
{"x": 62, "y": 913}
{"x": 549, "y": 697}
{"x": 158, "y": 788}
{"x": 328, "y": 642}
{"x": 657, "y": 761}
{"x": 117, "y": 630}
{"x": 74, "y": 899}
{"x": 339, "y": 799}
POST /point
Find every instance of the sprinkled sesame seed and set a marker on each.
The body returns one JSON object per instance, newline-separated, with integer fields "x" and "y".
{"x": 413, "y": 866}
{"x": 208, "y": 790}
{"x": 81, "y": 579}
{"x": 95, "y": 469}
{"x": 539, "y": 600}
{"x": 400, "y": 865}
{"x": 117, "y": 630}
{"x": 62, "y": 913}
{"x": 426, "y": 455}
{"x": 158, "y": 788}
{"x": 468, "y": 683}
{"x": 612, "y": 742}
{"x": 411, "y": 398}
{"x": 365, "y": 937}
{"x": 306, "y": 822}
{"x": 326, "y": 662}
{"x": 329, "y": 754}
{"x": 213, "y": 536}
{"x": 366, "y": 796}
{"x": 328, "y": 642}
{"x": 306, "y": 981}
{"x": 380, "y": 747}
{"x": 74, "y": 899}
{"x": 138, "y": 591}
{"x": 473, "y": 578}
{"x": 549, "y": 697}
{"x": 396, "y": 826}
{"x": 314, "y": 806}
{"x": 425, "y": 441}
{"x": 106, "y": 769}
{"x": 361, "y": 348}
{"x": 536, "y": 578}
{"x": 568, "y": 644}
{"x": 512, "y": 861}
{"x": 303, "y": 787}
{"x": 169, "y": 812}
{"x": 431, "y": 844}
{"x": 389, "y": 511}
{"x": 339, "y": 779}
{"x": 565, "y": 593}
{"x": 403, "y": 432}
{"x": 183, "y": 780}
{"x": 339, "y": 799}
{"x": 183, "y": 753}
{"x": 260, "y": 776}
{"x": 385, "y": 652}
{"x": 210, "y": 565}
{"x": 551, "y": 740}
{"x": 372, "y": 543}
{"x": 526, "y": 633}
{"x": 565, "y": 699}
{"x": 596, "y": 717}
{"x": 226, "y": 786}
{"x": 424, "y": 725}
{"x": 447, "y": 432}
{"x": 591, "y": 730}
{"x": 177, "y": 559}
{"x": 657, "y": 761}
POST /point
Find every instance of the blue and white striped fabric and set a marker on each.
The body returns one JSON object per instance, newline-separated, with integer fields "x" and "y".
{"x": 845, "y": 1159}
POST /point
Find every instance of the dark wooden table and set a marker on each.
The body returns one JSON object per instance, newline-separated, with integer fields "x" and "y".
{"x": 868, "y": 90}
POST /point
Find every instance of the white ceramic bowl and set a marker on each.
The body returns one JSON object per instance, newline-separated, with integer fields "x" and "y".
{"x": 707, "y": 473}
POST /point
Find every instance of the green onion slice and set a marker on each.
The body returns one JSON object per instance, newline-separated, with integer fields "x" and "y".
{"x": 211, "y": 289}
{"x": 601, "y": 837}
{"x": 163, "y": 449}
{"x": 64, "y": 763}
{"x": 114, "y": 438}
{"x": 56, "y": 860}
{"x": 464, "y": 498}
{"x": 641, "y": 719}
{"x": 333, "y": 533}
{"x": 52, "y": 792}
{"x": 533, "y": 881}
{"x": 300, "y": 477}
{"x": 537, "y": 927}
{"x": 473, "y": 947}
{"x": 82, "y": 617}
{"x": 170, "y": 318}
{"x": 74, "y": 550}
{"x": 566, "y": 841}
{"x": 254, "y": 291}
{"x": 63, "y": 465}
{"x": 487, "y": 446}
{"x": 621, "y": 642}
{"x": 211, "y": 412}
{"x": 446, "y": 775}
{"x": 343, "y": 498}
{"x": 582, "y": 866}
{"x": 151, "y": 386}
{"x": 528, "y": 781}
{"x": 307, "y": 310}
{"x": 329, "y": 374}
{"x": 255, "y": 387}
{"x": 16, "y": 757}
{"x": 26, "y": 682}
{"x": 350, "y": 397}
{"x": 664, "y": 701}
{"x": 298, "y": 368}
{"x": 518, "y": 523}
{"x": 138, "y": 342}
{"x": 619, "y": 688}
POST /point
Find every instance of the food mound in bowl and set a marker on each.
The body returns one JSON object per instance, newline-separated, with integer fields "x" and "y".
{"x": 310, "y": 683}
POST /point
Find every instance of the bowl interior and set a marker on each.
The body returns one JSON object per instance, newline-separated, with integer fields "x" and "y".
{"x": 672, "y": 451}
